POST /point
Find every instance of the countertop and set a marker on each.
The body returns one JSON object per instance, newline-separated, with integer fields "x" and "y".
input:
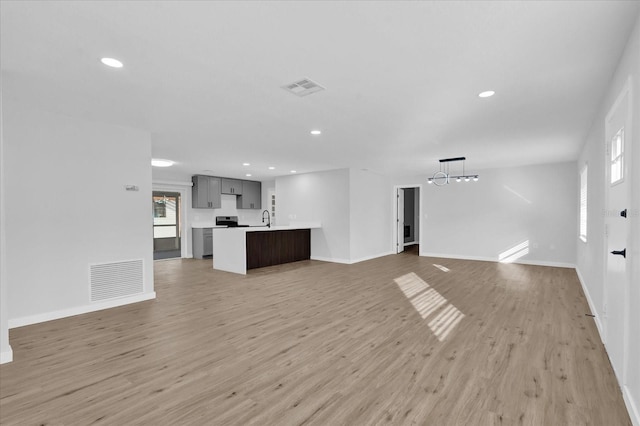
{"x": 311, "y": 225}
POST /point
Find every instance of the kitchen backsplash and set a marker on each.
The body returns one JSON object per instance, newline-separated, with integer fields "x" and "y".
{"x": 245, "y": 217}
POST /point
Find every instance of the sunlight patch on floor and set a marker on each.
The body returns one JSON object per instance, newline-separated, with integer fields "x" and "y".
{"x": 445, "y": 321}
{"x": 426, "y": 301}
{"x": 411, "y": 284}
{"x": 442, "y": 268}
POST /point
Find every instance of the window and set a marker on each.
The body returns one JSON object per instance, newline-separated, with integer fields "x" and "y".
{"x": 617, "y": 157}
{"x": 583, "y": 204}
{"x": 159, "y": 209}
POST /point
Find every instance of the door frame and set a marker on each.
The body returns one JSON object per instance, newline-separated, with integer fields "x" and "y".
{"x": 394, "y": 223}
{"x": 185, "y": 199}
{"x": 177, "y": 225}
{"x": 627, "y": 92}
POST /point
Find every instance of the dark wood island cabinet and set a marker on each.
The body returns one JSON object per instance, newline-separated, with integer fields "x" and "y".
{"x": 268, "y": 248}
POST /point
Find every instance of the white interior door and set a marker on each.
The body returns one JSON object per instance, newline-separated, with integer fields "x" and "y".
{"x": 617, "y": 230}
{"x": 400, "y": 221}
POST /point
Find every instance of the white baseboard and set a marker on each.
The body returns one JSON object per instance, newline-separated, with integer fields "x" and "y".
{"x": 375, "y": 256}
{"x": 493, "y": 259}
{"x": 592, "y": 306}
{"x": 50, "y": 316}
{"x": 6, "y": 355}
{"x": 546, "y": 263}
{"x": 632, "y": 408}
{"x": 331, "y": 259}
{"x": 456, "y": 256}
{"x": 349, "y": 261}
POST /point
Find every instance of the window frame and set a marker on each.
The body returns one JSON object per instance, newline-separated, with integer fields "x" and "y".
{"x": 618, "y": 160}
{"x": 583, "y": 203}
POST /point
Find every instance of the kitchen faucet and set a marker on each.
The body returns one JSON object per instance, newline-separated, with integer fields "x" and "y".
{"x": 268, "y": 218}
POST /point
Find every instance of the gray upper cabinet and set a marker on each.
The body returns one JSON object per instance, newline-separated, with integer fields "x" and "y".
{"x": 205, "y": 193}
{"x": 251, "y": 197}
{"x": 231, "y": 186}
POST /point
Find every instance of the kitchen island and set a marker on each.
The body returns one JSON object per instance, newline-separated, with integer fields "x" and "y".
{"x": 239, "y": 249}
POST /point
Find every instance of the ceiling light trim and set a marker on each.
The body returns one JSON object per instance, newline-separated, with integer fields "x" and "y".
{"x": 161, "y": 162}
{"x": 112, "y": 62}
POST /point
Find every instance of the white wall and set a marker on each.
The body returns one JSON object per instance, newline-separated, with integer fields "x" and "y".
{"x": 590, "y": 255}
{"x": 67, "y": 208}
{"x": 6, "y": 354}
{"x": 354, "y": 207}
{"x": 505, "y": 208}
{"x": 318, "y": 197}
{"x": 370, "y": 212}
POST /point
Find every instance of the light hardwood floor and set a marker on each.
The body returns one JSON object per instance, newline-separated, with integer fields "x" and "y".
{"x": 314, "y": 343}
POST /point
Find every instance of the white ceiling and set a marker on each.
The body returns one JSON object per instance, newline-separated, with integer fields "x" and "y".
{"x": 401, "y": 78}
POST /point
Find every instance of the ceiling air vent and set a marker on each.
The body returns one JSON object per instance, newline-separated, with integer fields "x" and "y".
{"x": 303, "y": 87}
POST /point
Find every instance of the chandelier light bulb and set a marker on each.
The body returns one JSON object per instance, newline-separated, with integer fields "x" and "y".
{"x": 475, "y": 179}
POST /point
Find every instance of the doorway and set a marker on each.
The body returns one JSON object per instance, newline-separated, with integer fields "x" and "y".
{"x": 617, "y": 197}
{"x": 166, "y": 225}
{"x": 407, "y": 218}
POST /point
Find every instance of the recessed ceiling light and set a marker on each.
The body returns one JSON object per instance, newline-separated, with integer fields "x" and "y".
{"x": 246, "y": 164}
{"x": 111, "y": 62}
{"x": 248, "y": 175}
{"x": 293, "y": 171}
{"x": 315, "y": 132}
{"x": 159, "y": 162}
{"x": 271, "y": 168}
{"x": 487, "y": 94}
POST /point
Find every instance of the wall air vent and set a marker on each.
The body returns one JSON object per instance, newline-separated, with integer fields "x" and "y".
{"x": 117, "y": 279}
{"x": 303, "y": 87}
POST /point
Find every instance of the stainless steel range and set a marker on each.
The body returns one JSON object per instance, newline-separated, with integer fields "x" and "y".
{"x": 229, "y": 222}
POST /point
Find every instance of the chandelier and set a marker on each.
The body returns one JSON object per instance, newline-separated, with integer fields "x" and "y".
{"x": 443, "y": 177}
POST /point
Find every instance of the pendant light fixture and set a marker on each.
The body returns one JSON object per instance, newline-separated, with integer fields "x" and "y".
{"x": 443, "y": 177}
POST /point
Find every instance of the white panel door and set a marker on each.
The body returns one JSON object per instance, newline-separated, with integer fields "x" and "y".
{"x": 617, "y": 132}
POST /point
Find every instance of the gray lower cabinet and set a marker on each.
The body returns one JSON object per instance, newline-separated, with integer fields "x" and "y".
{"x": 231, "y": 186}
{"x": 205, "y": 193}
{"x": 251, "y": 197}
{"x": 202, "y": 239}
